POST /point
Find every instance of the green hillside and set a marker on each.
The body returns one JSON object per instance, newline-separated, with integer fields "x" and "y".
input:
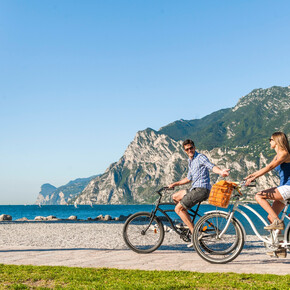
{"x": 250, "y": 123}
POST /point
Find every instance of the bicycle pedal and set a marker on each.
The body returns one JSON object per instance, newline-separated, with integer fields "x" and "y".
{"x": 185, "y": 239}
{"x": 182, "y": 227}
{"x": 280, "y": 253}
{"x": 272, "y": 254}
{"x": 185, "y": 236}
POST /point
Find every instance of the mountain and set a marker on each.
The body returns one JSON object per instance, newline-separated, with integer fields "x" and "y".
{"x": 154, "y": 160}
{"x": 250, "y": 123}
{"x": 236, "y": 138}
{"x": 45, "y": 191}
{"x": 65, "y": 194}
{"x": 151, "y": 159}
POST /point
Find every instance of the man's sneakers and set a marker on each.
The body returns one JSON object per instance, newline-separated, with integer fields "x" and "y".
{"x": 190, "y": 245}
{"x": 187, "y": 236}
{"x": 275, "y": 225}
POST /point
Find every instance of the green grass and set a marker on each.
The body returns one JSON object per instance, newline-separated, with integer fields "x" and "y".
{"x": 29, "y": 277}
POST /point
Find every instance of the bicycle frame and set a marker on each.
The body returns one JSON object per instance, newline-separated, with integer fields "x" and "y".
{"x": 274, "y": 234}
{"x": 192, "y": 213}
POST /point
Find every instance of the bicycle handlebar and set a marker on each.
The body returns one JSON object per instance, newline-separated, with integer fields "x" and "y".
{"x": 241, "y": 183}
{"x": 164, "y": 188}
{"x": 252, "y": 184}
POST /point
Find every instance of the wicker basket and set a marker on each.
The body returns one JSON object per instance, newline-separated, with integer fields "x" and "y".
{"x": 220, "y": 193}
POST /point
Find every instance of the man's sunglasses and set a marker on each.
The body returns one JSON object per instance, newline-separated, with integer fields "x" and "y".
{"x": 190, "y": 148}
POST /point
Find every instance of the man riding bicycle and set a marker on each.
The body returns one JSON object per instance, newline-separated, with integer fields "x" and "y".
{"x": 198, "y": 174}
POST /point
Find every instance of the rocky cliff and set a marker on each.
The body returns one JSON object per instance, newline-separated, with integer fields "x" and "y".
{"x": 65, "y": 194}
{"x": 44, "y": 195}
{"x": 153, "y": 160}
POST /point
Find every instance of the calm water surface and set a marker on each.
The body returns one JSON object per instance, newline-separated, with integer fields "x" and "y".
{"x": 86, "y": 211}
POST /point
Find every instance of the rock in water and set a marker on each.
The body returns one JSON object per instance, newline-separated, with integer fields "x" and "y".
{"x": 40, "y": 218}
{"x": 73, "y": 218}
{"x": 5, "y": 217}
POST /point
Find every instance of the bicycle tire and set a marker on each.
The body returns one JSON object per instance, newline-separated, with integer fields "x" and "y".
{"x": 214, "y": 249}
{"x": 288, "y": 236}
{"x": 139, "y": 236}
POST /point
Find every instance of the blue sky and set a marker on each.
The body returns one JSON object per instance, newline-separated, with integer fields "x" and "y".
{"x": 78, "y": 79}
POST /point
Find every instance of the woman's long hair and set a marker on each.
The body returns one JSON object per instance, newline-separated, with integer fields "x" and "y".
{"x": 281, "y": 140}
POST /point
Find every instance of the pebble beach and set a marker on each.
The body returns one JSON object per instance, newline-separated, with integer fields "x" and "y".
{"x": 100, "y": 244}
{"x": 100, "y": 235}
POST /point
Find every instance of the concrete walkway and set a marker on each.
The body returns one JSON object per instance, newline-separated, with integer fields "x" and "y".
{"x": 248, "y": 262}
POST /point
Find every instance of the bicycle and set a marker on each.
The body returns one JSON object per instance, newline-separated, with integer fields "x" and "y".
{"x": 218, "y": 237}
{"x": 143, "y": 232}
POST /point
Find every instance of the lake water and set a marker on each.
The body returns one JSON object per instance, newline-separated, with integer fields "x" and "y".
{"x": 86, "y": 211}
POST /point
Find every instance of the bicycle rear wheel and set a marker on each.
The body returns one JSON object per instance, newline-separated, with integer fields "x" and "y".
{"x": 210, "y": 245}
{"x": 141, "y": 236}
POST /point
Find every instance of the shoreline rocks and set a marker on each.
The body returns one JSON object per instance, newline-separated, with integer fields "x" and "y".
{"x": 73, "y": 218}
{"x": 5, "y": 217}
{"x": 24, "y": 219}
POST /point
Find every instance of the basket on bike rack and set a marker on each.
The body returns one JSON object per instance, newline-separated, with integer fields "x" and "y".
{"x": 220, "y": 193}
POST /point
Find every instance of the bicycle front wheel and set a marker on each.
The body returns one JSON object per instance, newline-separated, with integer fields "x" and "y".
{"x": 288, "y": 235}
{"x": 211, "y": 245}
{"x": 142, "y": 234}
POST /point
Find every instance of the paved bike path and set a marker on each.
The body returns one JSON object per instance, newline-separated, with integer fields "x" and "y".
{"x": 251, "y": 262}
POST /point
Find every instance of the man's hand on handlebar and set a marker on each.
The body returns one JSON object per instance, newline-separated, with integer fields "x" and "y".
{"x": 225, "y": 172}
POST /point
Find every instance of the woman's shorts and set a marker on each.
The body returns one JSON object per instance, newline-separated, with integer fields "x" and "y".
{"x": 284, "y": 191}
{"x": 193, "y": 196}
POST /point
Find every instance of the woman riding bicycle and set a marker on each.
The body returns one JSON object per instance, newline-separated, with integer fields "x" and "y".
{"x": 281, "y": 163}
